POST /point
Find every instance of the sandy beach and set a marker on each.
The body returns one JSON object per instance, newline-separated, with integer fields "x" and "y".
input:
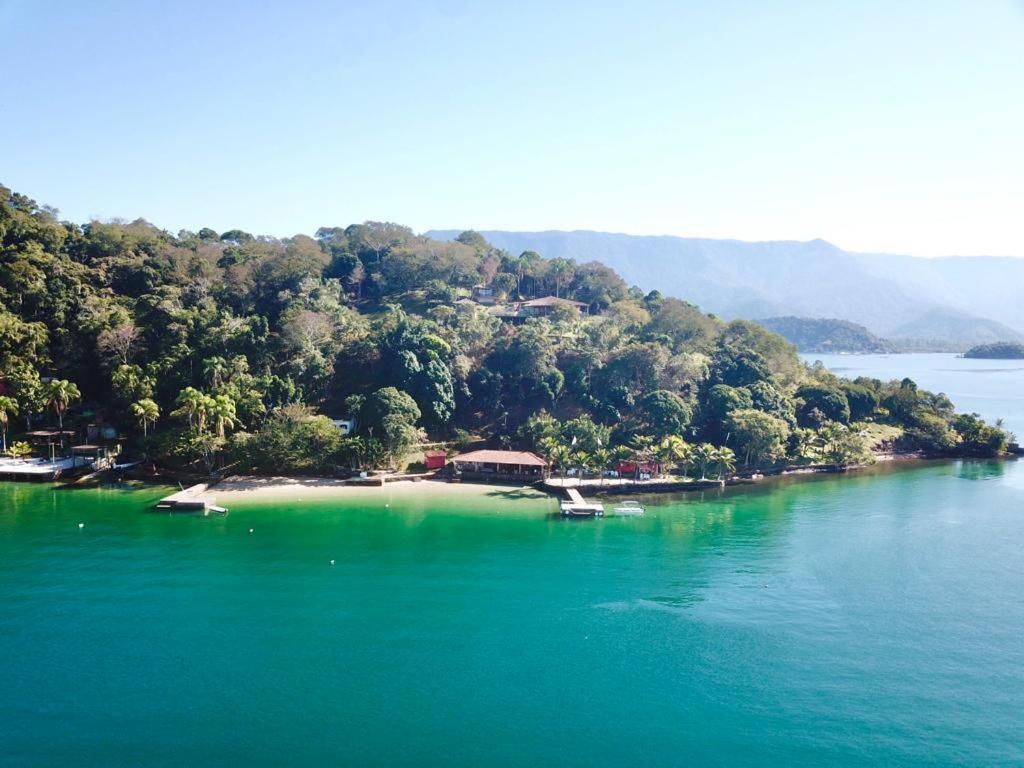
{"x": 248, "y": 488}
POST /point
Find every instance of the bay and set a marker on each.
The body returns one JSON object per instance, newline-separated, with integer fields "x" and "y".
{"x": 875, "y": 618}
{"x": 859, "y": 620}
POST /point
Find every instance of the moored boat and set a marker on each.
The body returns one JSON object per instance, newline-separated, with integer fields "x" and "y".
{"x": 629, "y": 508}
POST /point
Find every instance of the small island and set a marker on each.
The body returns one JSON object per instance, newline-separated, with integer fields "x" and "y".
{"x": 1000, "y": 350}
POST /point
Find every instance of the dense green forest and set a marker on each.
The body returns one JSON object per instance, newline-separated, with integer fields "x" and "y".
{"x": 1000, "y": 350}
{"x": 827, "y": 335}
{"x": 211, "y": 350}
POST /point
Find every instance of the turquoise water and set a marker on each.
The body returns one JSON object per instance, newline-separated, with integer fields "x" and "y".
{"x": 871, "y": 619}
{"x": 863, "y": 620}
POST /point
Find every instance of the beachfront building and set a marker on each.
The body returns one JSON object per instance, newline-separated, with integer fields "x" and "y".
{"x": 517, "y": 466}
{"x": 435, "y": 459}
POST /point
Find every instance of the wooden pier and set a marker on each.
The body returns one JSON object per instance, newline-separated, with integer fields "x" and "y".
{"x": 192, "y": 499}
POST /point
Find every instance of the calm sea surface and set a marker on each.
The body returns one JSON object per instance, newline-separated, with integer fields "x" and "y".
{"x": 875, "y": 619}
{"x": 992, "y": 388}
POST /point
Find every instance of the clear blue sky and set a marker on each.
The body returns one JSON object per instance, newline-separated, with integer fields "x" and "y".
{"x": 894, "y": 126}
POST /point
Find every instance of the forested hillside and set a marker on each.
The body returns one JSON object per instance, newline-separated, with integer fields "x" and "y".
{"x": 827, "y": 335}
{"x": 940, "y": 303}
{"x": 208, "y": 349}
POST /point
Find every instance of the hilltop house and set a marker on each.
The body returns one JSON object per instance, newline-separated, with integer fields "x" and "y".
{"x": 484, "y": 294}
{"x": 543, "y": 307}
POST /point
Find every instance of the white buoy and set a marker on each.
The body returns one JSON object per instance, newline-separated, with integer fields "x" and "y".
{"x": 332, "y": 562}
{"x": 250, "y": 530}
{"x": 81, "y": 525}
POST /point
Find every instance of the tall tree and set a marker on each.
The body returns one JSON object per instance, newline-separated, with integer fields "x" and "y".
{"x": 146, "y": 412}
{"x": 8, "y": 405}
{"x": 60, "y": 393}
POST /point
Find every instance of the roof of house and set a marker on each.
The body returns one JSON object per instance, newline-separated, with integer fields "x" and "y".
{"x": 550, "y": 301}
{"x": 522, "y": 458}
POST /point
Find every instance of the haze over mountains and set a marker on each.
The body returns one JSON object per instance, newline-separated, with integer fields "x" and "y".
{"x": 955, "y": 300}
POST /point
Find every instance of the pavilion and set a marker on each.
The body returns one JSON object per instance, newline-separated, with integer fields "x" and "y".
{"x": 519, "y": 466}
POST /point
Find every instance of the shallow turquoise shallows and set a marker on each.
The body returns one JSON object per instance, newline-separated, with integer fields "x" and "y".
{"x": 864, "y": 620}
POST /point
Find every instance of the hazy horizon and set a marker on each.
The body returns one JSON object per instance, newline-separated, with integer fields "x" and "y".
{"x": 880, "y": 129}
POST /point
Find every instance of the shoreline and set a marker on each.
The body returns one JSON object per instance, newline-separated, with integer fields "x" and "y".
{"x": 254, "y": 488}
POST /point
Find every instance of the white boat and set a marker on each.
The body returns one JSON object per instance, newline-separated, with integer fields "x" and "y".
{"x": 629, "y": 508}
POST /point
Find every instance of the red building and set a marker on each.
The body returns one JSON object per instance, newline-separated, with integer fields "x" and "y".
{"x": 435, "y": 459}
{"x": 635, "y": 469}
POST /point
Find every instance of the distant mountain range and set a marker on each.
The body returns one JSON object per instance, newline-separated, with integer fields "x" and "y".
{"x": 955, "y": 301}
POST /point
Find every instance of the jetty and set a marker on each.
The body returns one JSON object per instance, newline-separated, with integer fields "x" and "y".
{"x": 577, "y": 506}
{"x": 38, "y": 469}
{"x": 192, "y": 499}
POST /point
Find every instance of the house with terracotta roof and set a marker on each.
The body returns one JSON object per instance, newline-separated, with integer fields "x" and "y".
{"x": 520, "y": 312}
{"x": 546, "y": 305}
{"x": 518, "y": 466}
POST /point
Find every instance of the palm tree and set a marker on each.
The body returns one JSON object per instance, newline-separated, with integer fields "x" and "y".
{"x": 671, "y": 450}
{"x": 584, "y": 461}
{"x": 603, "y": 457}
{"x": 60, "y": 393}
{"x": 192, "y": 405}
{"x": 724, "y": 459}
{"x": 702, "y": 455}
{"x": 215, "y": 369}
{"x": 8, "y": 405}
{"x": 686, "y": 458}
{"x": 146, "y": 412}
{"x": 560, "y": 456}
{"x": 223, "y": 413}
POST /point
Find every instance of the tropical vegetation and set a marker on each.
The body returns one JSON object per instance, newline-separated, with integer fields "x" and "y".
{"x": 228, "y": 350}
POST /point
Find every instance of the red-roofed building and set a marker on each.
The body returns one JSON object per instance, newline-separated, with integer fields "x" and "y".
{"x": 435, "y": 459}
{"x": 500, "y": 465}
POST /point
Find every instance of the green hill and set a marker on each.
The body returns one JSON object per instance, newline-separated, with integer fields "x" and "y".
{"x": 827, "y": 335}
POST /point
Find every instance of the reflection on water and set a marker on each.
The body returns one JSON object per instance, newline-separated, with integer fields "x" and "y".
{"x": 981, "y": 470}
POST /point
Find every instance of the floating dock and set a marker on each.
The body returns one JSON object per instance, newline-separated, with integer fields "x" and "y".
{"x": 577, "y": 506}
{"x": 192, "y": 499}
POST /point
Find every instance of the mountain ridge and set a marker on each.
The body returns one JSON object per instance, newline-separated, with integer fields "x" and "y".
{"x": 961, "y": 300}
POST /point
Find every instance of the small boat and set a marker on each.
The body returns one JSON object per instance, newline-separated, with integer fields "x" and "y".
{"x": 577, "y": 509}
{"x": 629, "y": 508}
